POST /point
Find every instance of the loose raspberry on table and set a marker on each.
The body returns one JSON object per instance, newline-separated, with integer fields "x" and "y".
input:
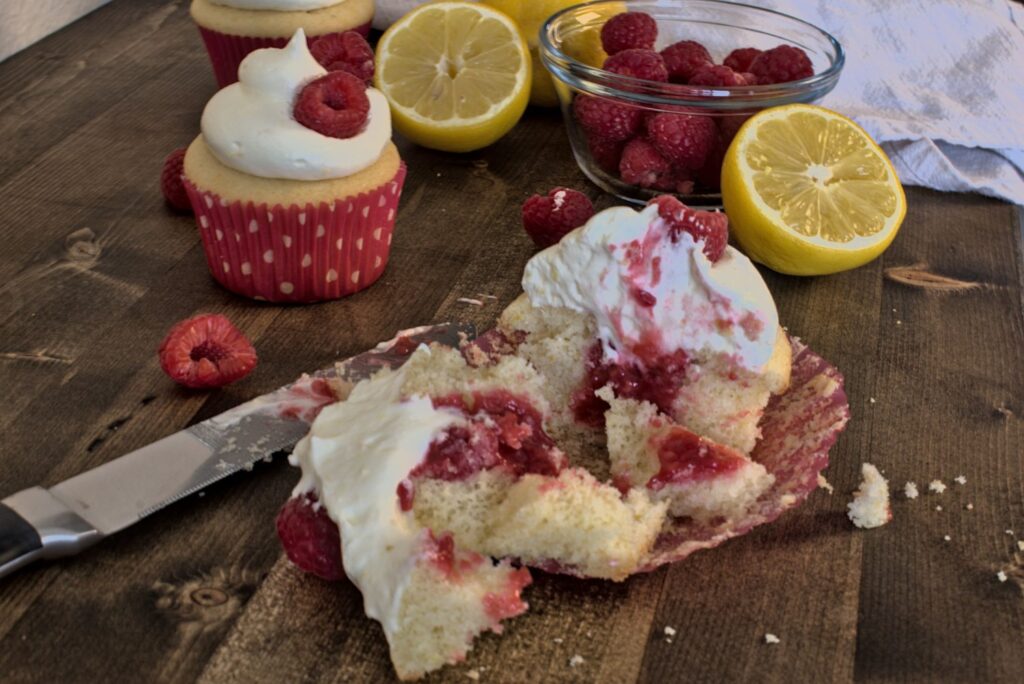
{"x": 718, "y": 75}
{"x": 548, "y": 218}
{"x": 709, "y": 227}
{"x": 348, "y": 52}
{"x": 781, "y": 64}
{"x": 684, "y": 58}
{"x": 334, "y": 105}
{"x": 310, "y": 538}
{"x": 206, "y": 351}
{"x": 643, "y": 165}
{"x": 741, "y": 58}
{"x": 685, "y": 140}
{"x": 606, "y": 153}
{"x": 629, "y": 30}
{"x": 171, "y": 183}
{"x": 638, "y": 63}
{"x": 607, "y": 119}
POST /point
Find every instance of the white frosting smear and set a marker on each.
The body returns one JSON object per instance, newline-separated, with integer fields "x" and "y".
{"x": 277, "y": 5}
{"x": 612, "y": 267}
{"x": 357, "y": 453}
{"x": 249, "y": 125}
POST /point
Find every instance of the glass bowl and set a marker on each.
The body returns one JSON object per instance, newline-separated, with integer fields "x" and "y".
{"x": 721, "y": 27}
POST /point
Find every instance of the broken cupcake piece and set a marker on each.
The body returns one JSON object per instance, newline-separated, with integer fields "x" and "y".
{"x": 870, "y": 506}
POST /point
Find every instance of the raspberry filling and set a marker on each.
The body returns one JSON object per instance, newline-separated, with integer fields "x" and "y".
{"x": 658, "y": 382}
{"x": 503, "y": 431}
{"x": 686, "y": 457}
{"x": 442, "y": 555}
{"x": 508, "y": 604}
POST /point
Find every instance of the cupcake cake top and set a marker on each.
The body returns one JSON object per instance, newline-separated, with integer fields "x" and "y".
{"x": 253, "y": 126}
{"x": 277, "y": 5}
{"x": 653, "y": 289}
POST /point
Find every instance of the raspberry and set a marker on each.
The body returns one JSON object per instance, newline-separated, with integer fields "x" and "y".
{"x": 606, "y": 153}
{"x": 740, "y": 59}
{"x": 206, "y": 351}
{"x": 709, "y": 227}
{"x": 709, "y": 177}
{"x": 684, "y": 139}
{"x": 716, "y": 75}
{"x": 729, "y": 125}
{"x": 310, "y": 538}
{"x": 348, "y": 52}
{"x": 781, "y": 64}
{"x": 629, "y": 30}
{"x": 642, "y": 165}
{"x": 608, "y": 119}
{"x": 170, "y": 181}
{"x": 548, "y": 219}
{"x": 638, "y": 63}
{"x": 334, "y": 105}
{"x": 684, "y": 58}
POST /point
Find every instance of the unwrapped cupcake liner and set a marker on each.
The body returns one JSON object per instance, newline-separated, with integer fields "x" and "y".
{"x": 227, "y": 51}
{"x": 298, "y": 254}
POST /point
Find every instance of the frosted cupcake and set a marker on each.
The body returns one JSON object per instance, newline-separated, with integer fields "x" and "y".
{"x": 231, "y": 29}
{"x": 294, "y": 180}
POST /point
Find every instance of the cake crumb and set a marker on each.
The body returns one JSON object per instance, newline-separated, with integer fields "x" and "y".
{"x": 1009, "y": 532}
{"x": 947, "y": 538}
{"x": 824, "y": 484}
{"x": 969, "y": 506}
{"x": 770, "y": 638}
{"x": 1020, "y": 545}
{"x": 557, "y": 640}
{"x": 910, "y": 490}
{"x": 576, "y": 660}
{"x": 938, "y": 508}
{"x": 960, "y": 480}
{"x": 669, "y": 631}
{"x": 870, "y": 505}
{"x": 899, "y": 322}
{"x": 473, "y": 674}
{"x": 467, "y": 300}
{"x": 871, "y": 399}
{"x": 936, "y": 486}
{"x": 1001, "y": 576}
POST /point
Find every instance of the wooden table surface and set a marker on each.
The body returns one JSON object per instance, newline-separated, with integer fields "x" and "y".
{"x": 94, "y": 270}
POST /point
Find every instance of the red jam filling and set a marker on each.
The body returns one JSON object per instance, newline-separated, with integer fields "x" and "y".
{"x": 657, "y": 382}
{"x": 453, "y": 564}
{"x": 686, "y": 457}
{"x": 309, "y": 396}
{"x": 504, "y": 431}
{"x": 508, "y": 604}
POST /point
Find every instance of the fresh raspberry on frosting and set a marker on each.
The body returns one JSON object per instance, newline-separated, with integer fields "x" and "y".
{"x": 310, "y": 538}
{"x": 781, "y": 64}
{"x": 643, "y": 165}
{"x": 741, "y": 59}
{"x": 627, "y": 31}
{"x": 347, "y": 52}
{"x": 684, "y": 58}
{"x": 685, "y": 140}
{"x": 334, "y": 105}
{"x": 638, "y": 63}
{"x": 718, "y": 75}
{"x": 709, "y": 227}
{"x": 547, "y": 219}
{"x": 607, "y": 119}
{"x": 171, "y": 184}
{"x": 206, "y": 351}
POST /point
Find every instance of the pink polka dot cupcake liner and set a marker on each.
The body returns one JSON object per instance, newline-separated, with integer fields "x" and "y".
{"x": 227, "y": 51}
{"x": 298, "y": 254}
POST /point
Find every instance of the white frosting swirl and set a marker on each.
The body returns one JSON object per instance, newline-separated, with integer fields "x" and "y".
{"x": 699, "y": 306}
{"x": 249, "y": 125}
{"x": 277, "y": 5}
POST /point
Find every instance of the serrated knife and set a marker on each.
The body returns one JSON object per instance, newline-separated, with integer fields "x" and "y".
{"x": 66, "y": 518}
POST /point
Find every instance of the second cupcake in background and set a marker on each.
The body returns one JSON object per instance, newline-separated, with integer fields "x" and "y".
{"x": 231, "y": 29}
{"x": 294, "y": 180}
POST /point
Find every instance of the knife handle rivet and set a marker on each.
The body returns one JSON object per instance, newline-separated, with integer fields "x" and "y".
{"x": 208, "y": 597}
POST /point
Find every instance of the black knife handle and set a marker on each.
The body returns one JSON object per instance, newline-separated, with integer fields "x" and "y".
{"x": 20, "y": 543}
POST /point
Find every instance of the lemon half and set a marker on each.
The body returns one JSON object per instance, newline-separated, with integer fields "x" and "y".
{"x": 457, "y": 75}
{"x": 808, "y": 192}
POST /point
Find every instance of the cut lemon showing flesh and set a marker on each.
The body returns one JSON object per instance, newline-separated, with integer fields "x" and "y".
{"x": 457, "y": 75}
{"x": 808, "y": 192}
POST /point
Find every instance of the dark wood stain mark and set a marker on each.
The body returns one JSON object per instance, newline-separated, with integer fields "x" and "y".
{"x": 918, "y": 275}
{"x": 111, "y": 429}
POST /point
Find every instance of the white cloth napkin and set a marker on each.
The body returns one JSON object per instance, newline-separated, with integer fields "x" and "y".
{"x": 940, "y": 83}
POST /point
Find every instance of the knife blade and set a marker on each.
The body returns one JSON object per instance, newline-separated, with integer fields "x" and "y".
{"x": 74, "y": 514}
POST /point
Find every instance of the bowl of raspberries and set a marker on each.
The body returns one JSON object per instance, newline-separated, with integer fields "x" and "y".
{"x": 653, "y": 110}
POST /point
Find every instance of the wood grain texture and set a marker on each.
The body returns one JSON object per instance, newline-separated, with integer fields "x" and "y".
{"x": 94, "y": 270}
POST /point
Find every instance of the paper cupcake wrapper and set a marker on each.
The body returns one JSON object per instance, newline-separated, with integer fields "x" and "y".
{"x": 227, "y": 51}
{"x": 298, "y": 254}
